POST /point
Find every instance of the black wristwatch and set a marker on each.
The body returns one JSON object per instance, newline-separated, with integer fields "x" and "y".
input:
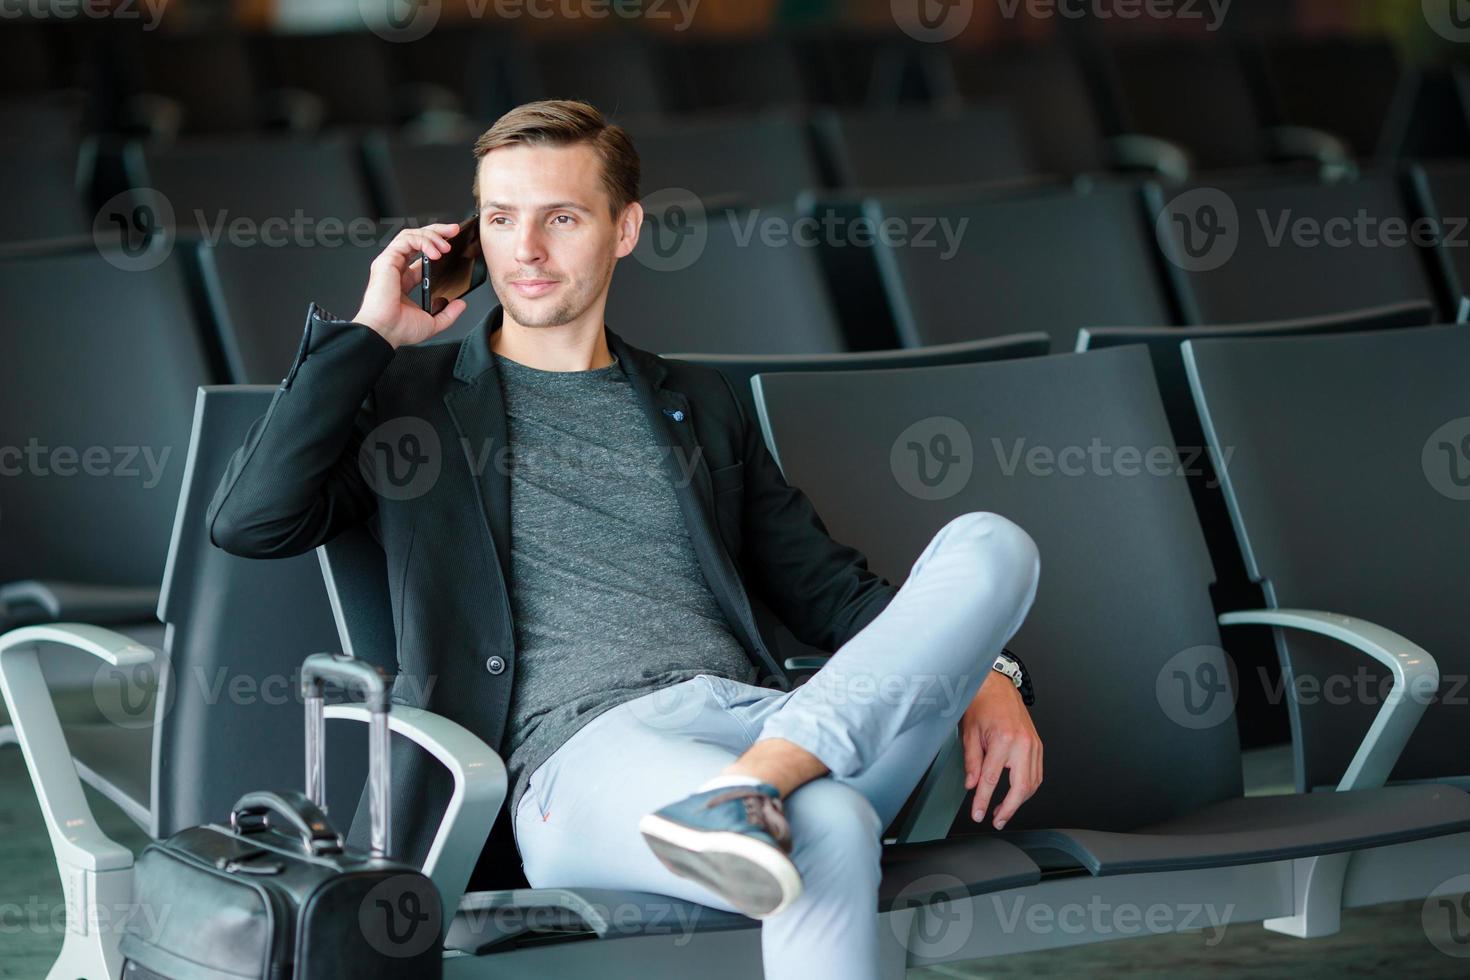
{"x": 1009, "y": 664}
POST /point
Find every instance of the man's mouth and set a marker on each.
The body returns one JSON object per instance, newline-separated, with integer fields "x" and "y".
{"x": 533, "y": 287}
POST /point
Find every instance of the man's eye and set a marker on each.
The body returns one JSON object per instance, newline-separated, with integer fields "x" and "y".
{"x": 563, "y": 218}
{"x": 499, "y": 219}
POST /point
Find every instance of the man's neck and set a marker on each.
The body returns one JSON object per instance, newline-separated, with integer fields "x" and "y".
{"x": 577, "y": 346}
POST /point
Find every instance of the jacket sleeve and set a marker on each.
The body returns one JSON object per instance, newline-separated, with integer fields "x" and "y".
{"x": 296, "y": 482}
{"x": 822, "y": 590}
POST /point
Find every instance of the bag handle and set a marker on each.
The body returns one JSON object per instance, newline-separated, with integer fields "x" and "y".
{"x": 258, "y": 811}
{"x": 356, "y": 676}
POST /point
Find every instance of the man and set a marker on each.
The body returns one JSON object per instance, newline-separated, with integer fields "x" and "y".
{"x": 569, "y": 573}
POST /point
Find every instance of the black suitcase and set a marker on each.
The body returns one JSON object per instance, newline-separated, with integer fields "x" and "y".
{"x": 277, "y": 895}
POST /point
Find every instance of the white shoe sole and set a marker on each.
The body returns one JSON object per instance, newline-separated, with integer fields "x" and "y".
{"x": 751, "y": 875}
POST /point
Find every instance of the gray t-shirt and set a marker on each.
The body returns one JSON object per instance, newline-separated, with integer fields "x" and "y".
{"x": 607, "y": 595}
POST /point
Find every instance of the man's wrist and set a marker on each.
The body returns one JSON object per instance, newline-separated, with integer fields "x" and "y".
{"x": 381, "y": 329}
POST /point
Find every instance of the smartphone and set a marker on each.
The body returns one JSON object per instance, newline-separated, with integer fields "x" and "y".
{"x": 456, "y": 272}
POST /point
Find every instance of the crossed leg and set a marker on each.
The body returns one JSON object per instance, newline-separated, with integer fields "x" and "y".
{"x": 874, "y": 717}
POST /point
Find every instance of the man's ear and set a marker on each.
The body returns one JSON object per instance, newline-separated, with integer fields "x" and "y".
{"x": 630, "y": 224}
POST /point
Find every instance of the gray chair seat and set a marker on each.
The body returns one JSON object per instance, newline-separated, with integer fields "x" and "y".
{"x": 1266, "y": 828}
{"x": 912, "y": 874}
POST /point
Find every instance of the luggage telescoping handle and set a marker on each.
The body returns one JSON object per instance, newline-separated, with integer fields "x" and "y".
{"x": 355, "y": 676}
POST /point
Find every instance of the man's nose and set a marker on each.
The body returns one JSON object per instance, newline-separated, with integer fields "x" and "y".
{"x": 530, "y": 246}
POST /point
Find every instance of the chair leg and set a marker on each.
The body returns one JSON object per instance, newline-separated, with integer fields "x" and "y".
{"x": 1318, "y": 885}
{"x": 98, "y": 904}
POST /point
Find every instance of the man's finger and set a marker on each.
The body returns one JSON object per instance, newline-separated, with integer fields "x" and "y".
{"x": 974, "y": 754}
{"x": 996, "y": 754}
{"x": 445, "y": 318}
{"x": 1021, "y": 789}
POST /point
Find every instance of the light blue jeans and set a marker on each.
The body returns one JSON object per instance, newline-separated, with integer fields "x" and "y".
{"x": 876, "y": 715}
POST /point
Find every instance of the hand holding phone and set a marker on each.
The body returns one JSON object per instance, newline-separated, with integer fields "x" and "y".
{"x": 456, "y": 272}
{"x": 388, "y": 304}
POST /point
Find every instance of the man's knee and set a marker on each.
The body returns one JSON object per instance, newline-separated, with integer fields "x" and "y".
{"x": 835, "y": 832}
{"x": 1000, "y": 548}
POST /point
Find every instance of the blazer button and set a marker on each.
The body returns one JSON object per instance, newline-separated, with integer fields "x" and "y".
{"x": 495, "y": 665}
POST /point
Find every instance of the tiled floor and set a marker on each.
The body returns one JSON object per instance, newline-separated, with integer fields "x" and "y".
{"x": 1385, "y": 941}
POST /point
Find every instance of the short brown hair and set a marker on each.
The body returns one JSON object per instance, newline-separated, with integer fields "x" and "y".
{"x": 562, "y": 122}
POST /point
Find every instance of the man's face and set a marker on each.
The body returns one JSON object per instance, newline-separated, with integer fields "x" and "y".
{"x": 550, "y": 242}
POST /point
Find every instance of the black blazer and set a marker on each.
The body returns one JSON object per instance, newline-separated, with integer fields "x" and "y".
{"x": 407, "y": 441}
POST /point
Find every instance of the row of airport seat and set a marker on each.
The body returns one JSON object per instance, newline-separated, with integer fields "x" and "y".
{"x": 1014, "y": 228}
{"x": 1228, "y": 102}
{"x": 214, "y": 314}
{"x": 901, "y": 268}
{"x": 1322, "y": 441}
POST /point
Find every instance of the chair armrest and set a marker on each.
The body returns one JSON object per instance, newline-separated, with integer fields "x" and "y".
{"x": 75, "y": 837}
{"x": 1135, "y": 151}
{"x": 480, "y": 786}
{"x": 1305, "y": 143}
{"x": 34, "y": 600}
{"x": 1415, "y": 681}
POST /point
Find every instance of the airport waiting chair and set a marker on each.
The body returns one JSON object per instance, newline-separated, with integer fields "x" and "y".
{"x": 1347, "y": 479}
{"x": 1345, "y": 86}
{"x": 735, "y": 74}
{"x": 1199, "y": 96}
{"x": 760, "y": 160}
{"x": 1247, "y": 250}
{"x": 618, "y": 74}
{"x": 226, "y": 719}
{"x": 738, "y": 369}
{"x": 1442, "y": 195}
{"x": 1143, "y": 770}
{"x": 192, "y": 81}
{"x": 724, "y": 282}
{"x": 421, "y": 182}
{"x": 1430, "y": 115}
{"x": 272, "y": 182}
{"x": 1050, "y": 99}
{"x": 86, "y": 521}
{"x": 888, "y": 149}
{"x": 49, "y": 171}
{"x": 349, "y": 75}
{"x": 1261, "y": 718}
{"x": 1049, "y": 259}
{"x": 259, "y": 298}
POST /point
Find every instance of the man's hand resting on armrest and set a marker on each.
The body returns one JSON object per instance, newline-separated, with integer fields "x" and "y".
{"x": 997, "y": 734}
{"x": 386, "y": 305}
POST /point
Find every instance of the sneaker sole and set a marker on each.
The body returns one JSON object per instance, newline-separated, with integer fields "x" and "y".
{"x": 751, "y": 875}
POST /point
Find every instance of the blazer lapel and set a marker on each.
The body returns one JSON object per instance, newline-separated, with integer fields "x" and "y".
{"x": 478, "y": 410}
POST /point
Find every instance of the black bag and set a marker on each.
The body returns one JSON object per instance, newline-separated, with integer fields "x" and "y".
{"x": 277, "y": 895}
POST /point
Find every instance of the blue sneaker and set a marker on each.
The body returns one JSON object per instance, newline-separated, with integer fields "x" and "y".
{"x": 733, "y": 840}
